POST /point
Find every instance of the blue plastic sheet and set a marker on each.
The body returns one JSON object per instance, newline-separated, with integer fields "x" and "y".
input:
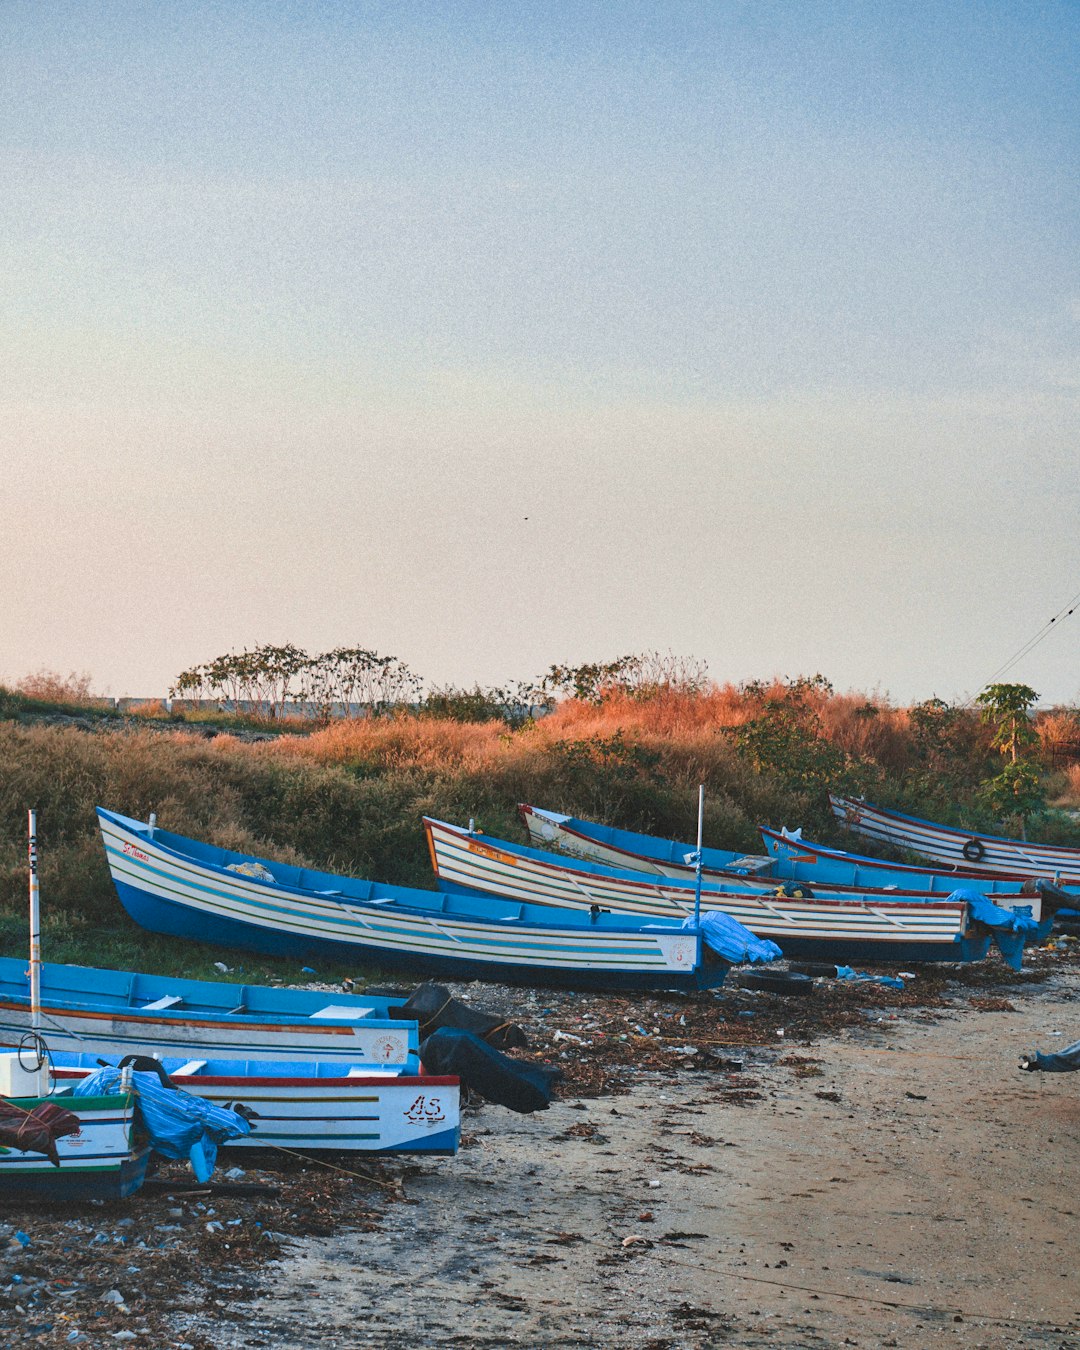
{"x": 847, "y": 973}
{"x": 1009, "y": 928}
{"x": 1065, "y": 1061}
{"x": 179, "y": 1124}
{"x": 733, "y": 941}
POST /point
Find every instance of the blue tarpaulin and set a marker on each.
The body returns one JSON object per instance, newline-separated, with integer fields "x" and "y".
{"x": 1065, "y": 1061}
{"x": 848, "y": 973}
{"x": 179, "y": 1124}
{"x": 733, "y": 941}
{"x": 1010, "y": 928}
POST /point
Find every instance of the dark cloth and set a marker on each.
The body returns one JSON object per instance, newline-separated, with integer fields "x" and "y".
{"x": 36, "y": 1130}
{"x": 496, "y": 1077}
{"x": 432, "y": 1006}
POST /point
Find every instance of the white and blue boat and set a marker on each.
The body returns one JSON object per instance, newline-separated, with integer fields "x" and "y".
{"x": 960, "y": 851}
{"x": 105, "y": 1159}
{"x": 171, "y": 884}
{"x": 312, "y": 1106}
{"x": 107, "y": 1011}
{"x": 847, "y": 929}
{"x": 829, "y": 872}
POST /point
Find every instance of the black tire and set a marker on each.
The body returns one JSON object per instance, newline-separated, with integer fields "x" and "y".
{"x": 813, "y": 968}
{"x": 777, "y": 982}
{"x": 973, "y": 850}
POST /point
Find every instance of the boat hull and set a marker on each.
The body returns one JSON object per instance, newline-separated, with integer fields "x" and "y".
{"x": 104, "y": 1161}
{"x": 842, "y": 931}
{"x": 100, "y": 1010}
{"x": 317, "y": 1107}
{"x": 177, "y": 886}
{"x": 969, "y": 851}
{"x": 830, "y": 873}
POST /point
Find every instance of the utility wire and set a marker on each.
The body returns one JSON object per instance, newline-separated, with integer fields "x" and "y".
{"x": 1033, "y": 642}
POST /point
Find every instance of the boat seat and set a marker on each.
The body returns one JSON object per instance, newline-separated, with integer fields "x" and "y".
{"x": 341, "y": 1013}
{"x": 751, "y": 864}
{"x": 192, "y": 1066}
{"x": 169, "y": 1001}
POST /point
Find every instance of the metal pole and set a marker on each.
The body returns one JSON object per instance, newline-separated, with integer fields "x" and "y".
{"x": 697, "y": 863}
{"x": 35, "y": 946}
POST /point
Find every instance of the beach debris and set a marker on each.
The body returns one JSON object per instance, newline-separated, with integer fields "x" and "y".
{"x": 889, "y": 981}
{"x": 790, "y": 983}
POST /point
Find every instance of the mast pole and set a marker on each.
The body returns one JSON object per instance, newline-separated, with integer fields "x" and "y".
{"x": 35, "y": 945}
{"x": 697, "y": 856}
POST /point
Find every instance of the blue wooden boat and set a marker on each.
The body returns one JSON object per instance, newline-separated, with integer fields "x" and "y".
{"x": 103, "y": 1011}
{"x": 828, "y": 873}
{"x": 981, "y": 855}
{"x": 105, "y": 1160}
{"x": 313, "y": 1106}
{"x": 850, "y": 929}
{"x": 171, "y": 884}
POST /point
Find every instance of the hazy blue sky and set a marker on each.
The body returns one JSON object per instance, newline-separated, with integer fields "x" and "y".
{"x": 494, "y": 335}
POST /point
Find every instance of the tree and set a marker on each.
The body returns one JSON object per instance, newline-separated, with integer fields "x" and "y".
{"x": 1005, "y": 707}
{"x": 1017, "y": 790}
{"x": 786, "y": 739}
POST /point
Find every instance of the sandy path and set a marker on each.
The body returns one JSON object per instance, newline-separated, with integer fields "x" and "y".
{"x": 929, "y": 1198}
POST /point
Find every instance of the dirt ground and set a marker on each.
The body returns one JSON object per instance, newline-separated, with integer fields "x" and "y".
{"x": 879, "y": 1174}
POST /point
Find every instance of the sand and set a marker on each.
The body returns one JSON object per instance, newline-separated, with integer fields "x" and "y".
{"x": 896, "y": 1183}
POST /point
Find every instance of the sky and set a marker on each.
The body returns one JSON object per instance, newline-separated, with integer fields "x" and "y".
{"x": 493, "y": 336}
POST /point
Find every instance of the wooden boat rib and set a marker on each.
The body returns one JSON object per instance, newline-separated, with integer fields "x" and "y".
{"x": 171, "y": 884}
{"x": 873, "y": 927}
{"x": 830, "y": 875}
{"x": 975, "y": 853}
{"x": 84, "y": 1009}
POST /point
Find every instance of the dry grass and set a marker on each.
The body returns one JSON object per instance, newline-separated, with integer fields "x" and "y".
{"x": 49, "y": 687}
{"x": 349, "y": 797}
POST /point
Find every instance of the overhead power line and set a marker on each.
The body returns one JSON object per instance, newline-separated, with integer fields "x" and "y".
{"x": 1048, "y": 627}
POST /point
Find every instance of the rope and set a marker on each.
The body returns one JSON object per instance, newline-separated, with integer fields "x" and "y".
{"x": 333, "y": 1167}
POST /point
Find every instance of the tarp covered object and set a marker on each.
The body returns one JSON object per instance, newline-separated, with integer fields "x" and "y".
{"x": 433, "y": 1006}
{"x": 728, "y": 938}
{"x": 179, "y": 1124}
{"x": 1065, "y": 1061}
{"x": 495, "y": 1076}
{"x": 36, "y": 1130}
{"x": 1010, "y": 928}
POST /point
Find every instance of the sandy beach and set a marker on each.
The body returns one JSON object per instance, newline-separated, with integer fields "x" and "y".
{"x": 863, "y": 1167}
{"x": 897, "y": 1183}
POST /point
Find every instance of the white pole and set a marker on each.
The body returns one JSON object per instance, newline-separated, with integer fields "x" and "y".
{"x": 697, "y": 865}
{"x": 35, "y": 949}
{"x": 153, "y": 824}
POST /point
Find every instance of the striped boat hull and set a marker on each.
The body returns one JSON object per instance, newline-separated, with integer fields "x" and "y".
{"x": 832, "y": 874}
{"x": 101, "y": 1162}
{"x": 99, "y": 1010}
{"x": 985, "y": 855}
{"x": 324, "y": 1111}
{"x": 847, "y": 929}
{"x": 174, "y": 885}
